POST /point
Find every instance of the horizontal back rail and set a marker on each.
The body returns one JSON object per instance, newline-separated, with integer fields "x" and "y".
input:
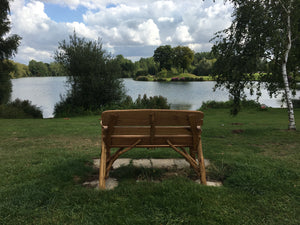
{"x": 153, "y": 127}
{"x": 160, "y": 117}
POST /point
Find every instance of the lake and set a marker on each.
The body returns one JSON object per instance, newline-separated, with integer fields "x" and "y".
{"x": 45, "y": 92}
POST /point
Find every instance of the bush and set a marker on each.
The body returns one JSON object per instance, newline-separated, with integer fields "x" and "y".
{"x": 65, "y": 108}
{"x": 160, "y": 79}
{"x": 142, "y": 78}
{"x": 141, "y": 73}
{"x": 163, "y": 73}
{"x": 155, "y": 102}
{"x": 296, "y": 103}
{"x": 92, "y": 75}
{"x": 249, "y": 104}
{"x": 19, "y": 109}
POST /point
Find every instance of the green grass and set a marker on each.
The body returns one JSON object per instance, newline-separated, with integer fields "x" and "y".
{"x": 44, "y": 163}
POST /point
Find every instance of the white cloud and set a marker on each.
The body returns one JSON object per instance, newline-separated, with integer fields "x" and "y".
{"x": 166, "y": 19}
{"x": 133, "y": 28}
{"x": 148, "y": 33}
{"x": 182, "y": 34}
{"x": 82, "y": 30}
{"x": 28, "y": 53}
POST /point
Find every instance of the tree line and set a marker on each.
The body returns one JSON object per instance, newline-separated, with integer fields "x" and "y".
{"x": 200, "y": 64}
{"x": 36, "y": 69}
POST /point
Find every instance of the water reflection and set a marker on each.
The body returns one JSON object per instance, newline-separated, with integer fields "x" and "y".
{"x": 45, "y": 92}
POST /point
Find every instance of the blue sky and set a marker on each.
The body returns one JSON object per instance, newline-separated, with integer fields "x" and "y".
{"x": 132, "y": 28}
{"x": 60, "y": 13}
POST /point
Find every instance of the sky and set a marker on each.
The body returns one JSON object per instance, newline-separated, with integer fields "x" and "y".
{"x": 133, "y": 28}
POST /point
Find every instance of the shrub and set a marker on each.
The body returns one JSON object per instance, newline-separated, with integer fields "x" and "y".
{"x": 19, "y": 109}
{"x": 142, "y": 78}
{"x": 296, "y": 103}
{"x": 92, "y": 74}
{"x": 160, "y": 79}
{"x": 249, "y": 104}
{"x": 155, "y": 102}
{"x": 65, "y": 108}
{"x": 199, "y": 79}
{"x": 141, "y": 73}
{"x": 163, "y": 73}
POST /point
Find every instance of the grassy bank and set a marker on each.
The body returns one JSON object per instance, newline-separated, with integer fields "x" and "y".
{"x": 45, "y": 162}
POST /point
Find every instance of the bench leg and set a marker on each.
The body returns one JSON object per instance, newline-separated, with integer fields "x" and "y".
{"x": 102, "y": 167}
{"x": 192, "y": 154}
{"x": 201, "y": 163}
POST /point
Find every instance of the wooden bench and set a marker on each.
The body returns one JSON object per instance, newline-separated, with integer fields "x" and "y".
{"x": 148, "y": 128}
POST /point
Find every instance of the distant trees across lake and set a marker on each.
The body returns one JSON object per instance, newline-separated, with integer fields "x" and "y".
{"x": 166, "y": 62}
{"x": 199, "y": 64}
{"x": 36, "y": 69}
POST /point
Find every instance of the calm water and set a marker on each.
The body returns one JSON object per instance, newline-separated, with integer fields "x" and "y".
{"x": 46, "y": 91}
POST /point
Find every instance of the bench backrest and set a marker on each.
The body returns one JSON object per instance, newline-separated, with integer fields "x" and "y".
{"x": 121, "y": 128}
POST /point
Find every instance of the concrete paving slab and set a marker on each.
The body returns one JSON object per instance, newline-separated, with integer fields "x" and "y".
{"x": 162, "y": 163}
{"x": 146, "y": 163}
{"x": 181, "y": 163}
{"x": 121, "y": 162}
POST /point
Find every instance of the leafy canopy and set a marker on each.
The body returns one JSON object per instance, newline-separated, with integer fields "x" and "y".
{"x": 259, "y": 32}
{"x": 92, "y": 74}
{"x": 8, "y": 47}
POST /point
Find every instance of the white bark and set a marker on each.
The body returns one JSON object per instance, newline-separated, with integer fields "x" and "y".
{"x": 288, "y": 94}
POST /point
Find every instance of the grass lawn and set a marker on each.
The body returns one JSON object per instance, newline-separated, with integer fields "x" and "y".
{"x": 44, "y": 163}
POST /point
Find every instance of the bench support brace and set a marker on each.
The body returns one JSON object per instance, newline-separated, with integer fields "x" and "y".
{"x": 105, "y": 166}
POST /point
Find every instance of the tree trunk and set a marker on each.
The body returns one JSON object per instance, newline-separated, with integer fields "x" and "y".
{"x": 288, "y": 94}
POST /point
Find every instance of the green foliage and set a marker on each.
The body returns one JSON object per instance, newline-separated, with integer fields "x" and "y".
{"x": 127, "y": 66}
{"x": 141, "y": 73}
{"x": 5, "y": 83}
{"x": 141, "y": 78}
{"x": 19, "y": 109}
{"x": 164, "y": 56}
{"x": 92, "y": 74}
{"x": 65, "y": 108}
{"x": 38, "y": 69}
{"x": 56, "y": 69}
{"x": 183, "y": 57}
{"x": 155, "y": 102}
{"x": 167, "y": 73}
{"x": 19, "y": 70}
{"x": 201, "y": 56}
{"x": 259, "y": 33}
{"x": 245, "y": 104}
{"x": 296, "y": 103}
{"x": 8, "y": 48}
{"x": 204, "y": 67}
{"x": 148, "y": 65}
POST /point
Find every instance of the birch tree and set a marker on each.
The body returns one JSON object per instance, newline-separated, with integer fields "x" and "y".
{"x": 261, "y": 30}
